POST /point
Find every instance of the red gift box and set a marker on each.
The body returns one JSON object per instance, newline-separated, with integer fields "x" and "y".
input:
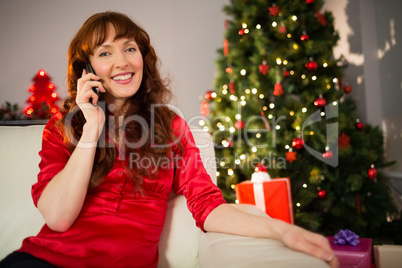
{"x": 353, "y": 256}
{"x": 273, "y": 197}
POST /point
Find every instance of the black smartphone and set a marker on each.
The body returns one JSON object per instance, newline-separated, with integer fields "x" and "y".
{"x": 89, "y": 69}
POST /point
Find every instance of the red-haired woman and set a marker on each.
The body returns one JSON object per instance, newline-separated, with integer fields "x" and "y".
{"x": 101, "y": 188}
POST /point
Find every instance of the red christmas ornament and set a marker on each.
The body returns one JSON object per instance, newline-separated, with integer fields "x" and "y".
{"x": 321, "y": 194}
{"x": 263, "y": 68}
{"x": 320, "y": 102}
{"x": 231, "y": 87}
{"x": 274, "y": 10}
{"x": 290, "y": 156}
{"x": 225, "y": 47}
{"x": 278, "y": 89}
{"x": 209, "y": 95}
{"x": 359, "y": 125}
{"x": 347, "y": 89}
{"x": 304, "y": 36}
{"x": 260, "y": 167}
{"x": 298, "y": 143}
{"x": 343, "y": 141}
{"x": 229, "y": 69}
{"x": 282, "y": 29}
{"x": 265, "y": 120}
{"x": 321, "y": 19}
{"x": 309, "y": 1}
{"x": 327, "y": 155}
{"x": 285, "y": 72}
{"x": 204, "y": 109}
{"x": 311, "y": 65}
{"x": 230, "y": 143}
{"x": 372, "y": 173}
{"x": 239, "y": 124}
{"x": 241, "y": 31}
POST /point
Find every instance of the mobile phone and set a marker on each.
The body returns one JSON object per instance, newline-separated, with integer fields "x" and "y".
{"x": 89, "y": 69}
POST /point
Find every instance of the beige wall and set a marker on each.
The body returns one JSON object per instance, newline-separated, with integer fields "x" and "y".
{"x": 371, "y": 34}
{"x": 36, "y": 35}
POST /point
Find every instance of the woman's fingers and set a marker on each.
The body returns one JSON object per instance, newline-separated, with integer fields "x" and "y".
{"x": 311, "y": 243}
{"x": 86, "y": 78}
{"x": 85, "y": 89}
{"x": 334, "y": 262}
{"x": 328, "y": 254}
{"x": 318, "y": 246}
{"x": 87, "y": 99}
{"x": 91, "y": 97}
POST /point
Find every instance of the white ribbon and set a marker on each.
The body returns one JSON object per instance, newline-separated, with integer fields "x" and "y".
{"x": 258, "y": 178}
{"x": 259, "y": 196}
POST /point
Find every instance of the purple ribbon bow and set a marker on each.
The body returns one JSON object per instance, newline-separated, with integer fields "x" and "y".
{"x": 346, "y": 237}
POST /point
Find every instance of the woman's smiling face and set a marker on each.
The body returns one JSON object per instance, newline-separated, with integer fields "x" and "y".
{"x": 119, "y": 64}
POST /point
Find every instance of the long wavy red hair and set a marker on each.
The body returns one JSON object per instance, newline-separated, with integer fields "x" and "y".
{"x": 153, "y": 91}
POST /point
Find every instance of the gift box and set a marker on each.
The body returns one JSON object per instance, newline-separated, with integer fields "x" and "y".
{"x": 387, "y": 256}
{"x": 359, "y": 256}
{"x": 273, "y": 197}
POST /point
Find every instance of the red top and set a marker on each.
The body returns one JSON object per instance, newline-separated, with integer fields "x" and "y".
{"x": 117, "y": 227}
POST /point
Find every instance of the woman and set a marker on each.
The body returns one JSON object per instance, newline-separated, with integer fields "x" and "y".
{"x": 101, "y": 207}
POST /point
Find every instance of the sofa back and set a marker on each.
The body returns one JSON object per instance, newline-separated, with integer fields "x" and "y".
{"x": 19, "y": 159}
{"x": 19, "y": 147}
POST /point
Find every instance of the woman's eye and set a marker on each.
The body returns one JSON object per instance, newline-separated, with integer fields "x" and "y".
{"x": 103, "y": 54}
{"x": 131, "y": 49}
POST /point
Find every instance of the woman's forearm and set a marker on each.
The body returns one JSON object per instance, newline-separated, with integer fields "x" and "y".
{"x": 226, "y": 218}
{"x": 63, "y": 197}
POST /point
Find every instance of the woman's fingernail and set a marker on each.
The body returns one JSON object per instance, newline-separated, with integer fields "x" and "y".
{"x": 330, "y": 258}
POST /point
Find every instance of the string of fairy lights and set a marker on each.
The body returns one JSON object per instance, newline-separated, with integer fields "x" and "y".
{"x": 241, "y": 96}
{"x": 242, "y": 99}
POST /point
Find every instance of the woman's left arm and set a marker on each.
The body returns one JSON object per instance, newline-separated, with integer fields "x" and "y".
{"x": 226, "y": 218}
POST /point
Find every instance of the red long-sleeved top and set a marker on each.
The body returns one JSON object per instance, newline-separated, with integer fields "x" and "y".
{"x": 116, "y": 226}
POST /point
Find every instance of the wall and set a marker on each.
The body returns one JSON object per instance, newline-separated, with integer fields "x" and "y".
{"x": 389, "y": 32}
{"x": 36, "y": 34}
{"x": 370, "y": 32}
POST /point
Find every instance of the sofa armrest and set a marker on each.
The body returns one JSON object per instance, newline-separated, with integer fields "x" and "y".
{"x": 224, "y": 250}
{"x": 178, "y": 245}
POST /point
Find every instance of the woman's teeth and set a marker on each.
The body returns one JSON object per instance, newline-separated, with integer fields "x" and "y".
{"x": 122, "y": 77}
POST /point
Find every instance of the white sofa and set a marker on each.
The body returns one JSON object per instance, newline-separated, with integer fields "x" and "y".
{"x": 182, "y": 244}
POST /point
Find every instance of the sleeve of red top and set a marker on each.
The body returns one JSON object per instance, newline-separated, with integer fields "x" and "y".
{"x": 191, "y": 178}
{"x": 54, "y": 156}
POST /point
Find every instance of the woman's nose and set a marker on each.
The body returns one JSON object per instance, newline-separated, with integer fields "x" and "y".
{"x": 121, "y": 61}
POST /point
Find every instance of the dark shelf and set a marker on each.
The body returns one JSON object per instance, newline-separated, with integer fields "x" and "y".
{"x": 23, "y": 122}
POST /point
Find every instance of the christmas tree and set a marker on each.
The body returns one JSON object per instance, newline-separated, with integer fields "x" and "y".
{"x": 279, "y": 99}
{"x": 42, "y": 103}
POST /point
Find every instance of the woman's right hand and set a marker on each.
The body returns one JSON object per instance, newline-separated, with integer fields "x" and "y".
{"x": 87, "y": 99}
{"x": 62, "y": 199}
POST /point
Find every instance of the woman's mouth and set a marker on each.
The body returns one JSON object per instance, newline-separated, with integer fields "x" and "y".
{"x": 122, "y": 77}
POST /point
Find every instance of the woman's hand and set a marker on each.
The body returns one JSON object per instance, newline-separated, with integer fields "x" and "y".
{"x": 308, "y": 242}
{"x": 62, "y": 199}
{"x": 87, "y": 100}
